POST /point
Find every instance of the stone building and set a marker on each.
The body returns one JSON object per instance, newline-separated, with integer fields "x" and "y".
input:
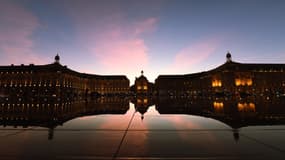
{"x": 229, "y": 79}
{"x": 142, "y": 86}
{"x": 55, "y": 82}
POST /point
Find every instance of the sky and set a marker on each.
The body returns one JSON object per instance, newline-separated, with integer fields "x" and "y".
{"x": 157, "y": 36}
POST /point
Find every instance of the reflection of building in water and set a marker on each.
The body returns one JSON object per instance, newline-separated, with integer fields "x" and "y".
{"x": 142, "y": 103}
{"x": 231, "y": 78}
{"x": 142, "y": 86}
{"x": 234, "y": 113}
{"x": 51, "y": 115}
{"x": 53, "y": 81}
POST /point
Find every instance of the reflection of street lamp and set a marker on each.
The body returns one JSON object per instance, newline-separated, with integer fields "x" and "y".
{"x": 236, "y": 134}
{"x": 50, "y": 133}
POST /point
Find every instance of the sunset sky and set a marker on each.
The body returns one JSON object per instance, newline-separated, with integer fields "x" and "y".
{"x": 157, "y": 36}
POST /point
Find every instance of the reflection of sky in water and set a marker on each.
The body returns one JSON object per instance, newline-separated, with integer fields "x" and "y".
{"x": 102, "y": 121}
{"x": 154, "y": 135}
{"x": 152, "y": 121}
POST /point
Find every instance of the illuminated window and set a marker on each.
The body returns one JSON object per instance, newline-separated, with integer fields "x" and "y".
{"x": 216, "y": 83}
{"x": 249, "y": 82}
{"x": 237, "y": 82}
{"x": 246, "y": 107}
{"x": 145, "y": 87}
{"x": 218, "y": 105}
{"x": 139, "y": 88}
{"x": 243, "y": 82}
{"x": 145, "y": 101}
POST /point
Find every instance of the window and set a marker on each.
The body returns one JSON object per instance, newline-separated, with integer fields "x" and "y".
{"x": 145, "y": 87}
{"x": 216, "y": 83}
{"x": 243, "y": 82}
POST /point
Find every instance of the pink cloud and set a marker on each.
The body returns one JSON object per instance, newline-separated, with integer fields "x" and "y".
{"x": 124, "y": 54}
{"x": 121, "y": 48}
{"x": 16, "y": 28}
{"x": 116, "y": 43}
{"x": 193, "y": 54}
{"x": 120, "y": 51}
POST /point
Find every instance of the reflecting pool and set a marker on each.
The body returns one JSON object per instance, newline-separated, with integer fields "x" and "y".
{"x": 144, "y": 128}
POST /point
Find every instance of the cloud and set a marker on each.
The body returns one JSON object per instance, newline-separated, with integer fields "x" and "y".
{"x": 114, "y": 41}
{"x": 193, "y": 54}
{"x": 123, "y": 55}
{"x": 146, "y": 25}
{"x": 16, "y": 28}
{"x": 122, "y": 50}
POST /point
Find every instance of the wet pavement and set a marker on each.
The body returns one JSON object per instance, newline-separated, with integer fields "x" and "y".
{"x": 150, "y": 135}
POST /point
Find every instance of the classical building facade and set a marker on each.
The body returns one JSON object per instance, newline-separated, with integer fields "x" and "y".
{"x": 229, "y": 79}
{"x": 55, "y": 82}
{"x": 142, "y": 86}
